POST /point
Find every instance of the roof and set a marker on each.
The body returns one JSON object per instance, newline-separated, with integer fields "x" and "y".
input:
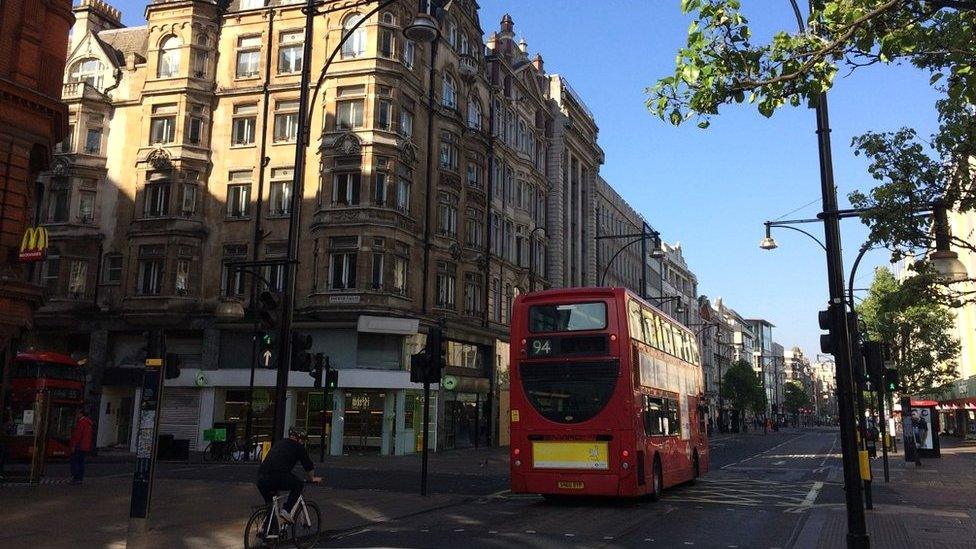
{"x": 47, "y": 356}
{"x": 122, "y": 42}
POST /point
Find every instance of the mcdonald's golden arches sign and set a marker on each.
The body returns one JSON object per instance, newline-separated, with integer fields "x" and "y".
{"x": 33, "y": 247}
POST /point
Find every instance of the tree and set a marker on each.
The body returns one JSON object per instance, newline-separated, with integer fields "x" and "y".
{"x": 743, "y": 387}
{"x": 918, "y": 329}
{"x": 721, "y": 64}
{"x": 795, "y": 398}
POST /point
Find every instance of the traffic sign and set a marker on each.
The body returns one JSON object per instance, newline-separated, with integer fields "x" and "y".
{"x": 266, "y": 359}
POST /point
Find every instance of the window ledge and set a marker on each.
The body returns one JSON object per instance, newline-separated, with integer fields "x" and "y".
{"x": 243, "y": 218}
{"x": 242, "y": 146}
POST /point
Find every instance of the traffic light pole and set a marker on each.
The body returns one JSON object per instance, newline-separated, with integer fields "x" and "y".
{"x": 425, "y": 450}
{"x": 857, "y": 537}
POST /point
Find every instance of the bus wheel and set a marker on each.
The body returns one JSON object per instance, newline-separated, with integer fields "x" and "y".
{"x": 657, "y": 481}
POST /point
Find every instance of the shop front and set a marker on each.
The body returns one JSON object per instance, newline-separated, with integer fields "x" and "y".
{"x": 958, "y": 417}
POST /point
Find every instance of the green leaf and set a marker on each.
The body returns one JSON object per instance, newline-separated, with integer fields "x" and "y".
{"x": 704, "y": 124}
{"x": 676, "y": 117}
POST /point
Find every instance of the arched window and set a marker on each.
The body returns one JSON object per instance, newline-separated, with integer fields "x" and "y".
{"x": 388, "y": 19}
{"x": 474, "y": 114}
{"x": 201, "y": 57}
{"x": 449, "y": 92}
{"x": 169, "y": 57}
{"x": 355, "y": 45}
{"x": 89, "y": 71}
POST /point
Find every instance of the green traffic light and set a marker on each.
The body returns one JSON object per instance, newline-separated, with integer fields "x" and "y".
{"x": 266, "y": 339}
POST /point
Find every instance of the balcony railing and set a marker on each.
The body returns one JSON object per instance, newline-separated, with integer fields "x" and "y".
{"x": 467, "y": 66}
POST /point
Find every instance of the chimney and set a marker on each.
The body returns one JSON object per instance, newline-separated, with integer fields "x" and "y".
{"x": 539, "y": 64}
{"x": 523, "y": 46}
{"x": 93, "y": 16}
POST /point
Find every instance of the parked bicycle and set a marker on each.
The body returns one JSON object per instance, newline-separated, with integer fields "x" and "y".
{"x": 268, "y": 528}
{"x": 229, "y": 450}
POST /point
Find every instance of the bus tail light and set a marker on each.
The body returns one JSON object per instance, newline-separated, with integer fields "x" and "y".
{"x": 613, "y": 337}
{"x": 515, "y": 454}
{"x": 625, "y": 453}
{"x": 516, "y": 451}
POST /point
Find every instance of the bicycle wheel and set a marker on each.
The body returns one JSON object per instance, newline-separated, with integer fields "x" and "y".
{"x": 305, "y": 531}
{"x": 254, "y": 532}
{"x": 208, "y": 452}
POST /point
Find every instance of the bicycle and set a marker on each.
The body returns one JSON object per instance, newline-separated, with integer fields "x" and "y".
{"x": 231, "y": 450}
{"x": 267, "y": 530}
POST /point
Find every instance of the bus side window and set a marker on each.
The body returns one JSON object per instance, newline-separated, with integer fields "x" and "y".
{"x": 651, "y": 330}
{"x": 667, "y": 343}
{"x": 672, "y": 418}
{"x": 653, "y": 416}
{"x": 636, "y": 326}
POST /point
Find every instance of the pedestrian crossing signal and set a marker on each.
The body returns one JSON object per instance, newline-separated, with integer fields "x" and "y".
{"x": 891, "y": 380}
{"x": 331, "y": 379}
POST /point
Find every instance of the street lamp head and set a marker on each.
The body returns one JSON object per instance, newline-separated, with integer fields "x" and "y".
{"x": 657, "y": 253}
{"x": 768, "y": 242}
{"x": 229, "y": 309}
{"x": 680, "y": 309}
{"x": 423, "y": 29}
{"x": 947, "y": 264}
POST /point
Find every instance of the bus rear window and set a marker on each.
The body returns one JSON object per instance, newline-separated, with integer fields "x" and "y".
{"x": 572, "y": 317}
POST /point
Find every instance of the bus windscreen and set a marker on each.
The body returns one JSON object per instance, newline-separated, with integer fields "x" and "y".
{"x": 571, "y": 317}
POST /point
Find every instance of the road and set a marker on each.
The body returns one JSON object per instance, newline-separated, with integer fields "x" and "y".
{"x": 756, "y": 496}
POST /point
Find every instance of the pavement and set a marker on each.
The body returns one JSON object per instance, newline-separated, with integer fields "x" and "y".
{"x": 921, "y": 507}
{"x": 777, "y": 490}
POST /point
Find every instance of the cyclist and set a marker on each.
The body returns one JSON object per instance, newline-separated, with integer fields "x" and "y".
{"x": 275, "y": 474}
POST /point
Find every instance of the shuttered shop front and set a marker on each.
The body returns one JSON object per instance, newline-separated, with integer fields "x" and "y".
{"x": 181, "y": 413}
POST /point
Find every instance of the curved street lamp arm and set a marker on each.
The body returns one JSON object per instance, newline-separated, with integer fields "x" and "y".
{"x": 335, "y": 52}
{"x": 850, "y": 282}
{"x": 797, "y": 229}
{"x": 606, "y": 269}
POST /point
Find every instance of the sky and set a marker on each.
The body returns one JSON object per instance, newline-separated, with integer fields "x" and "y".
{"x": 712, "y": 189}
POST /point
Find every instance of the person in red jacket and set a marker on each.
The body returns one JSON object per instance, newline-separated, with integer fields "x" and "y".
{"x": 81, "y": 444}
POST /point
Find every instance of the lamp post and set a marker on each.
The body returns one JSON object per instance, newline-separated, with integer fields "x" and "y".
{"x": 423, "y": 26}
{"x": 762, "y": 379}
{"x": 657, "y": 252}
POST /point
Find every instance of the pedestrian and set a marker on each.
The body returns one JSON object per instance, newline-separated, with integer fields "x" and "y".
{"x": 81, "y": 444}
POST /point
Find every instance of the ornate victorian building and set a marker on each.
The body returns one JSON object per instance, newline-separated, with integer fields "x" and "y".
{"x": 33, "y": 39}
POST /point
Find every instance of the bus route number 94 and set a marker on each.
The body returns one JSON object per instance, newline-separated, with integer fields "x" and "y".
{"x": 540, "y": 347}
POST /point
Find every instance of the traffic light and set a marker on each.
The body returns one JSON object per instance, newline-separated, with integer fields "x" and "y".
{"x": 891, "y": 381}
{"x": 318, "y": 364}
{"x": 267, "y": 342}
{"x": 435, "y": 354}
{"x": 826, "y": 340}
{"x": 171, "y": 366}
{"x": 269, "y": 310}
{"x": 418, "y": 367}
{"x": 301, "y": 359}
{"x": 331, "y": 376}
{"x": 874, "y": 356}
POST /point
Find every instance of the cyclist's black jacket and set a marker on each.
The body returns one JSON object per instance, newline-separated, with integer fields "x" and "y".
{"x": 283, "y": 457}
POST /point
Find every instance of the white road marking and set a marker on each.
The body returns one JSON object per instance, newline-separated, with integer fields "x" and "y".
{"x": 829, "y": 452}
{"x": 530, "y": 531}
{"x": 778, "y": 462}
{"x": 492, "y": 531}
{"x": 569, "y": 535}
{"x": 812, "y": 495}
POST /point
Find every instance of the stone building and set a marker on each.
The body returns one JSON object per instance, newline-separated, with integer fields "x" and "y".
{"x": 574, "y": 162}
{"x": 181, "y": 164}
{"x": 678, "y": 281}
{"x": 620, "y": 258}
{"x": 33, "y": 39}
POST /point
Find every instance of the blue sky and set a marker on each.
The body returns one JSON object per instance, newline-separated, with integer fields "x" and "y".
{"x": 712, "y": 189}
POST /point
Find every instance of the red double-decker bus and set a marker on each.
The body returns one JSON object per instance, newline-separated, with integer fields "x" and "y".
{"x": 63, "y": 379}
{"x": 606, "y": 396}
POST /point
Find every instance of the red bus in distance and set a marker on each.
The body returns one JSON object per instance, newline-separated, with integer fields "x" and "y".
{"x": 64, "y": 381}
{"x": 606, "y": 396}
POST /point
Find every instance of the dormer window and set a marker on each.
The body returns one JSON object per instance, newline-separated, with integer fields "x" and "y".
{"x": 169, "y": 57}
{"x": 88, "y": 71}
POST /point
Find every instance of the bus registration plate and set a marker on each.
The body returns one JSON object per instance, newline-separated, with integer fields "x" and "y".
{"x": 571, "y": 455}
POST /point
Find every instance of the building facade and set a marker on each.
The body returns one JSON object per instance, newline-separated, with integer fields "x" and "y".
{"x": 33, "y": 40}
{"x": 181, "y": 165}
{"x": 618, "y": 260}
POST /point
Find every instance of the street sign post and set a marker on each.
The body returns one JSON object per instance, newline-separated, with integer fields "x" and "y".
{"x": 142, "y": 479}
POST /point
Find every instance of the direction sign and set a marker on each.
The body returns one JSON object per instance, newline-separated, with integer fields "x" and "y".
{"x": 266, "y": 359}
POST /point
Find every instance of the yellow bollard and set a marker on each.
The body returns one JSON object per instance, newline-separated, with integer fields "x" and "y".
{"x": 865, "y": 464}
{"x": 265, "y": 448}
